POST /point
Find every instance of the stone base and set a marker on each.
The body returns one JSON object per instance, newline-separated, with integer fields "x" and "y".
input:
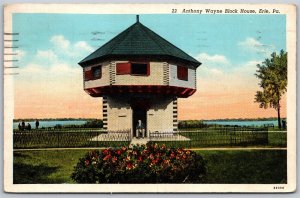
{"x": 124, "y": 137}
{"x": 170, "y": 137}
{"x": 120, "y": 137}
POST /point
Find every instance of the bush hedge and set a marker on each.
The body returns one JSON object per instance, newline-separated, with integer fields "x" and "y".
{"x": 191, "y": 124}
{"x": 96, "y": 123}
{"x": 148, "y": 163}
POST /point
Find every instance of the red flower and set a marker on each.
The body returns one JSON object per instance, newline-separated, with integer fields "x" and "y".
{"x": 166, "y": 161}
{"x": 105, "y": 152}
{"x": 94, "y": 154}
{"x": 179, "y": 150}
{"x": 172, "y": 155}
{"x": 87, "y": 162}
{"x": 129, "y": 166}
{"x": 146, "y": 151}
{"x": 106, "y": 157}
{"x": 154, "y": 161}
{"x": 127, "y": 158}
{"x": 151, "y": 156}
{"x": 140, "y": 159}
{"x": 114, "y": 159}
{"x": 118, "y": 152}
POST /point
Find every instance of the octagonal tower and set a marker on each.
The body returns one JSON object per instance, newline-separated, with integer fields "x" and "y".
{"x": 140, "y": 75}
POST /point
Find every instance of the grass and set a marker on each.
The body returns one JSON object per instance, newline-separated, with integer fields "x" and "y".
{"x": 208, "y": 137}
{"x": 246, "y": 167}
{"x": 253, "y": 166}
{"x": 33, "y": 167}
{"x": 212, "y": 127}
{"x": 277, "y": 139}
{"x": 200, "y": 139}
{"x": 61, "y": 139}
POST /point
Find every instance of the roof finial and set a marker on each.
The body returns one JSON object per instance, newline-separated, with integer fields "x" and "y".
{"x": 137, "y": 18}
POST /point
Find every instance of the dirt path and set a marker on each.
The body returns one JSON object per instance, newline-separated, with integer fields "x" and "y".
{"x": 237, "y": 148}
{"x": 194, "y": 149}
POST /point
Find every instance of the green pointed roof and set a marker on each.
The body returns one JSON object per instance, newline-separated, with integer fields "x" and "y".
{"x": 138, "y": 40}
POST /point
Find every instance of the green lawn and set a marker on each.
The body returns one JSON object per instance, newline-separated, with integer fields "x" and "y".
{"x": 45, "y": 166}
{"x": 246, "y": 167}
{"x": 277, "y": 139}
{"x": 251, "y": 166}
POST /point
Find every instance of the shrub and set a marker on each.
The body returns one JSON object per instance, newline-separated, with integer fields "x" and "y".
{"x": 191, "y": 124}
{"x": 58, "y": 126}
{"x": 141, "y": 164}
{"x": 96, "y": 123}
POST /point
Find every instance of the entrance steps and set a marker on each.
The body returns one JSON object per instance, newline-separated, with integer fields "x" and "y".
{"x": 139, "y": 141}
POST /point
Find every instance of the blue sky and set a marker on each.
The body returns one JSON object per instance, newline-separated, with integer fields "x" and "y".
{"x": 195, "y": 34}
{"x": 229, "y": 47}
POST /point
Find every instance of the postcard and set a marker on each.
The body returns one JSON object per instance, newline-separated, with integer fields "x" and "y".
{"x": 150, "y": 98}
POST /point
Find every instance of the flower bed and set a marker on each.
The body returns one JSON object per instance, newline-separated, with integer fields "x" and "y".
{"x": 141, "y": 164}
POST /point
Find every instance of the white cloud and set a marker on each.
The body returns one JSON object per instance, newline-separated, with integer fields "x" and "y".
{"x": 208, "y": 59}
{"x": 218, "y": 67}
{"x": 248, "y": 67}
{"x": 241, "y": 78}
{"x": 82, "y": 45}
{"x": 56, "y": 72}
{"x": 32, "y": 69}
{"x": 64, "y": 69}
{"x": 65, "y": 48}
{"x": 215, "y": 71}
{"x": 57, "y": 62}
{"x": 61, "y": 59}
{"x": 60, "y": 41}
{"x": 251, "y": 44}
{"x": 212, "y": 65}
{"x": 46, "y": 54}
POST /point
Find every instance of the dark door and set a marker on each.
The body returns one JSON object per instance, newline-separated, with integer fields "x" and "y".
{"x": 139, "y": 114}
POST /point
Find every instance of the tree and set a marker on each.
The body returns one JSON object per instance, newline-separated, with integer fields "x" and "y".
{"x": 273, "y": 81}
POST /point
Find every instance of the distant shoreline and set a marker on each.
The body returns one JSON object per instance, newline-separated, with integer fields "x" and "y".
{"x": 54, "y": 119}
{"x": 87, "y": 119}
{"x": 245, "y": 119}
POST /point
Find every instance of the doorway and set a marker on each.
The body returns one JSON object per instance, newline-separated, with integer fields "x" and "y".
{"x": 139, "y": 114}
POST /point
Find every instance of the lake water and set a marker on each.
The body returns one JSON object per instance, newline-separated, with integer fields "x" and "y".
{"x": 52, "y": 123}
{"x": 244, "y": 122}
{"x": 80, "y": 122}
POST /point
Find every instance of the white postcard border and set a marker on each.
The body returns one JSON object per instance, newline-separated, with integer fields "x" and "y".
{"x": 288, "y": 10}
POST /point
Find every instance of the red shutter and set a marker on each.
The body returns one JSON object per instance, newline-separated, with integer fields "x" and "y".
{"x": 182, "y": 73}
{"x": 123, "y": 68}
{"x": 88, "y": 75}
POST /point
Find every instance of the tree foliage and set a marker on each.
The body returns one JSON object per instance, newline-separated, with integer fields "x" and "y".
{"x": 273, "y": 81}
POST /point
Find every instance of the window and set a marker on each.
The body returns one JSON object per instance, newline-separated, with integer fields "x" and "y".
{"x": 182, "y": 73}
{"x": 93, "y": 74}
{"x": 97, "y": 73}
{"x": 142, "y": 69}
{"x": 139, "y": 68}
